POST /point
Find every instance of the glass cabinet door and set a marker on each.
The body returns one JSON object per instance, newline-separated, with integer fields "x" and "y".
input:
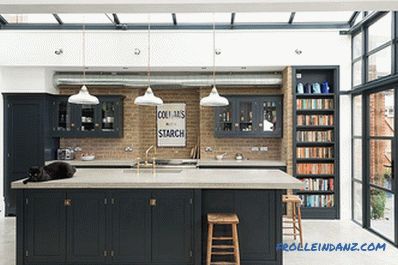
{"x": 108, "y": 114}
{"x": 245, "y": 116}
{"x": 87, "y": 116}
{"x": 63, "y": 116}
{"x": 224, "y": 119}
{"x": 271, "y": 116}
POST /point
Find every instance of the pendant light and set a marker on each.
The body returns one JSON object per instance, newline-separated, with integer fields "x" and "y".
{"x": 214, "y": 99}
{"x": 148, "y": 99}
{"x": 83, "y": 97}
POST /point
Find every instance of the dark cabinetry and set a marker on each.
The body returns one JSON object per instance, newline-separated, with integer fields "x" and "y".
{"x": 102, "y": 120}
{"x": 250, "y": 116}
{"x": 102, "y": 227}
{"x": 27, "y": 140}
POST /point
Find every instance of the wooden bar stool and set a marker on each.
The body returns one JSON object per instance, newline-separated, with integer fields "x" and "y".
{"x": 223, "y": 249}
{"x": 295, "y": 202}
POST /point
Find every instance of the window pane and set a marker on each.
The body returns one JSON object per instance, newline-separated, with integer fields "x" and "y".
{"x": 380, "y": 32}
{"x": 357, "y": 46}
{"x": 143, "y": 18}
{"x": 322, "y": 16}
{"x": 357, "y": 73}
{"x": 357, "y": 159}
{"x": 357, "y": 115}
{"x": 30, "y": 18}
{"x": 203, "y": 17}
{"x": 382, "y": 212}
{"x": 379, "y": 64}
{"x": 279, "y": 17}
{"x": 85, "y": 18}
{"x": 381, "y": 113}
{"x": 357, "y": 203}
{"x": 380, "y": 163}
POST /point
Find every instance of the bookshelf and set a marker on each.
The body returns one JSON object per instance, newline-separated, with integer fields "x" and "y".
{"x": 316, "y": 141}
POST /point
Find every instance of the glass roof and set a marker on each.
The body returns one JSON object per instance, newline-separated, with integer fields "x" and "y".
{"x": 276, "y": 17}
{"x": 181, "y": 18}
{"x": 322, "y": 16}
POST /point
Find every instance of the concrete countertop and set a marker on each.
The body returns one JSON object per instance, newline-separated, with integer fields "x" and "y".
{"x": 171, "y": 179}
{"x": 97, "y": 163}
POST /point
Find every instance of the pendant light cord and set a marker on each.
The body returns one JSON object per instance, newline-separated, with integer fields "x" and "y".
{"x": 149, "y": 50}
{"x": 214, "y": 50}
{"x": 84, "y": 51}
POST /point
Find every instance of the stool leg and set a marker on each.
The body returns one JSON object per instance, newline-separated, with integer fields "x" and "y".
{"x": 294, "y": 219}
{"x": 299, "y": 223}
{"x": 209, "y": 243}
{"x": 236, "y": 243}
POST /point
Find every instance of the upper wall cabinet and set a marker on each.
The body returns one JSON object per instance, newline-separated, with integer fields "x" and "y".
{"x": 250, "y": 116}
{"x": 102, "y": 120}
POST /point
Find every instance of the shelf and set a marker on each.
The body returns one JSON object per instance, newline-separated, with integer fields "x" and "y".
{"x": 314, "y": 111}
{"x": 314, "y": 127}
{"x": 314, "y": 192}
{"x": 315, "y": 160}
{"x": 315, "y": 144}
{"x": 330, "y": 95}
{"x": 316, "y": 176}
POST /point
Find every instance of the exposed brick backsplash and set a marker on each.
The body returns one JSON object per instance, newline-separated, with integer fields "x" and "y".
{"x": 140, "y": 126}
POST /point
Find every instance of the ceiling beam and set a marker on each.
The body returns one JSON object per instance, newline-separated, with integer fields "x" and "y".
{"x": 174, "y": 16}
{"x": 177, "y": 6}
{"x": 233, "y": 18}
{"x": 353, "y": 18}
{"x": 291, "y": 18}
{"x": 59, "y": 20}
{"x": 116, "y": 19}
{"x": 3, "y": 21}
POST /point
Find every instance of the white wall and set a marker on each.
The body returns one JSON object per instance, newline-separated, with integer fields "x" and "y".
{"x": 27, "y": 60}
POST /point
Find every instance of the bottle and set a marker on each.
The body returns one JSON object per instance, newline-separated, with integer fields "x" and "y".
{"x": 325, "y": 87}
{"x": 300, "y": 88}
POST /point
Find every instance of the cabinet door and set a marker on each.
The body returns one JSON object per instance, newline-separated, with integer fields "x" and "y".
{"x": 86, "y": 227}
{"x": 110, "y": 113}
{"x": 87, "y": 120}
{"x": 172, "y": 229}
{"x": 224, "y": 119}
{"x": 131, "y": 227}
{"x": 269, "y": 121}
{"x": 45, "y": 227}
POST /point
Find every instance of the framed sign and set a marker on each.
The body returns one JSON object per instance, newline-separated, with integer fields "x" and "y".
{"x": 171, "y": 125}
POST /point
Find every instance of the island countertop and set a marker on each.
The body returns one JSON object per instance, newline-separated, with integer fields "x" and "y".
{"x": 170, "y": 179}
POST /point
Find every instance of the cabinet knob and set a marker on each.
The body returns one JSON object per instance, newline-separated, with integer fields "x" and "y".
{"x": 97, "y": 125}
{"x": 72, "y": 125}
{"x": 68, "y": 202}
{"x": 152, "y": 202}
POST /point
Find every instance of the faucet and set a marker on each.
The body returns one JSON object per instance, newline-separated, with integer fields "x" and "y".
{"x": 146, "y": 163}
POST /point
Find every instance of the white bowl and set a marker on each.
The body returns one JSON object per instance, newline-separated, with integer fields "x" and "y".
{"x": 88, "y": 158}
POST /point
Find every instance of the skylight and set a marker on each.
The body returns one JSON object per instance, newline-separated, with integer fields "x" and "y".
{"x": 30, "y": 18}
{"x": 322, "y": 16}
{"x": 207, "y": 18}
{"x": 85, "y": 18}
{"x": 143, "y": 18}
{"x": 270, "y": 17}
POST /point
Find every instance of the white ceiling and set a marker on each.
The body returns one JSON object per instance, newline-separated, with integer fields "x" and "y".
{"x": 180, "y": 6}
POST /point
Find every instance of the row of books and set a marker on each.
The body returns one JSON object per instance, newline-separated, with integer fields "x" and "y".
{"x": 314, "y": 152}
{"x": 314, "y": 136}
{"x": 314, "y": 104}
{"x": 325, "y": 201}
{"x": 315, "y": 120}
{"x": 319, "y": 184}
{"x": 320, "y": 168}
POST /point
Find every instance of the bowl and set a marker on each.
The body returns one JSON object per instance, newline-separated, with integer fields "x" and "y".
{"x": 88, "y": 157}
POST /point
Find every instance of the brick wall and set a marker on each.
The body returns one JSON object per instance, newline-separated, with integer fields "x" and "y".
{"x": 140, "y": 126}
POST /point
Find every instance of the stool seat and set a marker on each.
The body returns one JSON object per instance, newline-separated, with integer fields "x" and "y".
{"x": 291, "y": 198}
{"x": 222, "y": 218}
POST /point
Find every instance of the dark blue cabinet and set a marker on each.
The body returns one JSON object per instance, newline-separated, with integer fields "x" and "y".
{"x": 86, "y": 227}
{"x": 102, "y": 120}
{"x": 45, "y": 227}
{"x": 250, "y": 116}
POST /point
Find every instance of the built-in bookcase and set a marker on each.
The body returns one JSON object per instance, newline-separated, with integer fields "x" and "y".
{"x": 316, "y": 140}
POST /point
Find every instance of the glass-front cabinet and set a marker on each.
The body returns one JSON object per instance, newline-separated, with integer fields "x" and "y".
{"x": 102, "y": 120}
{"x": 250, "y": 116}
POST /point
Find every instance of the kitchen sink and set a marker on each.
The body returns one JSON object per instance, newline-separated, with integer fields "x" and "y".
{"x": 173, "y": 163}
{"x": 149, "y": 171}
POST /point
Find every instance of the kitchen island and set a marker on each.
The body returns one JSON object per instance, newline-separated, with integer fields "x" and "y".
{"x": 114, "y": 216}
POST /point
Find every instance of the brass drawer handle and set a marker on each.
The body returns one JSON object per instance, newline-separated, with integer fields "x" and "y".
{"x": 152, "y": 202}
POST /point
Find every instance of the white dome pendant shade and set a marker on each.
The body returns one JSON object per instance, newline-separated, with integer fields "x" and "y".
{"x": 148, "y": 99}
{"x": 214, "y": 99}
{"x": 83, "y": 97}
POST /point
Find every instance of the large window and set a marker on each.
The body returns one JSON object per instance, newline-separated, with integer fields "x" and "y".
{"x": 357, "y": 177}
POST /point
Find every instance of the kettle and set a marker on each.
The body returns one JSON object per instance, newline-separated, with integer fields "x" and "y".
{"x": 239, "y": 156}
